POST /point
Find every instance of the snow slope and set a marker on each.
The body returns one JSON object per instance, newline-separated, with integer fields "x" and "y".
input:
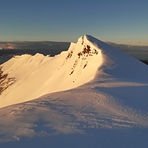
{"x": 108, "y": 109}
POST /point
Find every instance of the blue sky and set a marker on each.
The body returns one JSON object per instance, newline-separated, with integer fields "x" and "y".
{"x": 120, "y": 21}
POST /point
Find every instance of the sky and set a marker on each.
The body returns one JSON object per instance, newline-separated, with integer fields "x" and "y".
{"x": 119, "y": 21}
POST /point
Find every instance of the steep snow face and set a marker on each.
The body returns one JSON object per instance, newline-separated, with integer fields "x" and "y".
{"x": 119, "y": 65}
{"x": 27, "y": 77}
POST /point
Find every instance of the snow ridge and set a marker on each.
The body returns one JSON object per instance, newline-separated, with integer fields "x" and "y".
{"x": 38, "y": 75}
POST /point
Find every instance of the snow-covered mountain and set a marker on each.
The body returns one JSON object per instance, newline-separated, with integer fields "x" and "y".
{"x": 92, "y": 95}
{"x": 28, "y": 77}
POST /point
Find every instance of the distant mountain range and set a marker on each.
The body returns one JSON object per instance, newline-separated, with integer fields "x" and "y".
{"x": 38, "y": 45}
{"x": 53, "y": 48}
{"x": 44, "y": 47}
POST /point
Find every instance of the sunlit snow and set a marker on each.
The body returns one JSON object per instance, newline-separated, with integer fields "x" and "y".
{"x": 89, "y": 96}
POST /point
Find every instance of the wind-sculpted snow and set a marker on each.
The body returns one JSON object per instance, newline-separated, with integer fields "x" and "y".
{"x": 71, "y": 112}
{"x": 108, "y": 109}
